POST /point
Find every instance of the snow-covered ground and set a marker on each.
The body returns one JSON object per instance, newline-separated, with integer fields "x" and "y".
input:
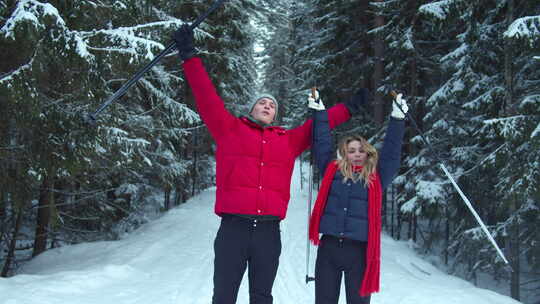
{"x": 170, "y": 260}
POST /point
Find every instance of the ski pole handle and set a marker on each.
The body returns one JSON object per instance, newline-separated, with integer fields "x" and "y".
{"x": 395, "y": 95}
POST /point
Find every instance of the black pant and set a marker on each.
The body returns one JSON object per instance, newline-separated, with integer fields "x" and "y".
{"x": 336, "y": 256}
{"x": 242, "y": 243}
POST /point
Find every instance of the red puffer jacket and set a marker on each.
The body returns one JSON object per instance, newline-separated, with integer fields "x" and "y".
{"x": 253, "y": 164}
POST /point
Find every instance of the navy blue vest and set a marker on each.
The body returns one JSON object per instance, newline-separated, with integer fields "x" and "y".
{"x": 345, "y": 214}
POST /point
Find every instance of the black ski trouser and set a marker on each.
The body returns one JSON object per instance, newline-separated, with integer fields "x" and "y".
{"x": 336, "y": 256}
{"x": 245, "y": 243}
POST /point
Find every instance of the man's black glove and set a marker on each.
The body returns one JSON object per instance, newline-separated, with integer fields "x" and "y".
{"x": 183, "y": 38}
{"x": 358, "y": 101}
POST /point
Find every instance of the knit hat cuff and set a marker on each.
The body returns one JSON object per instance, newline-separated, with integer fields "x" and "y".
{"x": 261, "y": 96}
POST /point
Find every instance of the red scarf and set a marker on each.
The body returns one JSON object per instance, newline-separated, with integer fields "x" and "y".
{"x": 370, "y": 283}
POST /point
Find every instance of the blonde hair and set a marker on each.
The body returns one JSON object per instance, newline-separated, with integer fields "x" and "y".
{"x": 346, "y": 167}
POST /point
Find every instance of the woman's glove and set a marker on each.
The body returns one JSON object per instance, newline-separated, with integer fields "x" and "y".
{"x": 396, "y": 105}
{"x": 315, "y": 102}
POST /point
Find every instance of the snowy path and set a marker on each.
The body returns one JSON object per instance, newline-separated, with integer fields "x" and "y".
{"x": 170, "y": 260}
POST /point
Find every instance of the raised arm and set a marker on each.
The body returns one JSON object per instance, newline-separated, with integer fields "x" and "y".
{"x": 322, "y": 147}
{"x": 338, "y": 114}
{"x": 209, "y": 105}
{"x": 390, "y": 158}
{"x": 300, "y": 137}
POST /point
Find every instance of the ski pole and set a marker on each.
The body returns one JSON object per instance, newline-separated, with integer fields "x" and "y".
{"x": 458, "y": 189}
{"x": 310, "y": 198}
{"x": 91, "y": 118}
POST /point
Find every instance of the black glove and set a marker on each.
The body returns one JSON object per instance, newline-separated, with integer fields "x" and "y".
{"x": 358, "y": 101}
{"x": 183, "y": 38}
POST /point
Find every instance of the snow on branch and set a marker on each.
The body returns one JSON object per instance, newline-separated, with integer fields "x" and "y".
{"x": 406, "y": 41}
{"x": 35, "y": 13}
{"x": 509, "y": 125}
{"x": 531, "y": 100}
{"x": 30, "y": 11}
{"x": 439, "y": 9}
{"x": 182, "y": 110}
{"x": 536, "y": 131}
{"x": 127, "y": 38}
{"x": 432, "y": 191}
{"x": 525, "y": 27}
{"x": 120, "y": 137}
{"x": 477, "y": 233}
{"x": 484, "y": 98}
{"x": 9, "y": 76}
{"x": 162, "y": 24}
{"x": 457, "y": 53}
{"x": 503, "y": 120}
{"x": 409, "y": 206}
{"x": 450, "y": 88}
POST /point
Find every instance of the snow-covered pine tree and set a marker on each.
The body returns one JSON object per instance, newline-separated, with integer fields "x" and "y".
{"x": 450, "y": 129}
{"x": 524, "y": 34}
{"x": 65, "y": 59}
{"x": 316, "y": 44}
{"x": 518, "y": 160}
{"x": 283, "y": 35}
{"x": 481, "y": 88}
{"x": 405, "y": 67}
{"x": 337, "y": 55}
{"x": 414, "y": 47}
{"x": 280, "y": 42}
{"x": 43, "y": 89}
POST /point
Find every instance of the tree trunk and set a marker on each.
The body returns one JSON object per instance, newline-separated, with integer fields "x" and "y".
{"x": 514, "y": 241}
{"x": 399, "y": 221}
{"x": 414, "y": 226}
{"x": 447, "y": 235}
{"x": 12, "y": 245}
{"x": 508, "y": 57}
{"x": 513, "y": 245}
{"x": 167, "y": 198}
{"x": 3, "y": 219}
{"x": 378, "y": 72}
{"x": 410, "y": 227}
{"x": 43, "y": 218}
{"x": 413, "y": 100}
{"x": 194, "y": 173}
{"x": 178, "y": 199}
{"x": 514, "y": 254}
{"x": 393, "y": 211}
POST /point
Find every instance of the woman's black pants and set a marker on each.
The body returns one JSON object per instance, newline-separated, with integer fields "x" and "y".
{"x": 335, "y": 257}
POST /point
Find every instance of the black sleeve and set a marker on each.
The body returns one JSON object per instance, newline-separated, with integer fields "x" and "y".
{"x": 390, "y": 158}
{"x": 322, "y": 147}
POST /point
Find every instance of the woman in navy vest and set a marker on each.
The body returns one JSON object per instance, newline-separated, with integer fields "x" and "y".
{"x": 347, "y": 211}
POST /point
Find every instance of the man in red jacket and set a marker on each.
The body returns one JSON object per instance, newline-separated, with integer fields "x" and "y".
{"x": 254, "y": 164}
